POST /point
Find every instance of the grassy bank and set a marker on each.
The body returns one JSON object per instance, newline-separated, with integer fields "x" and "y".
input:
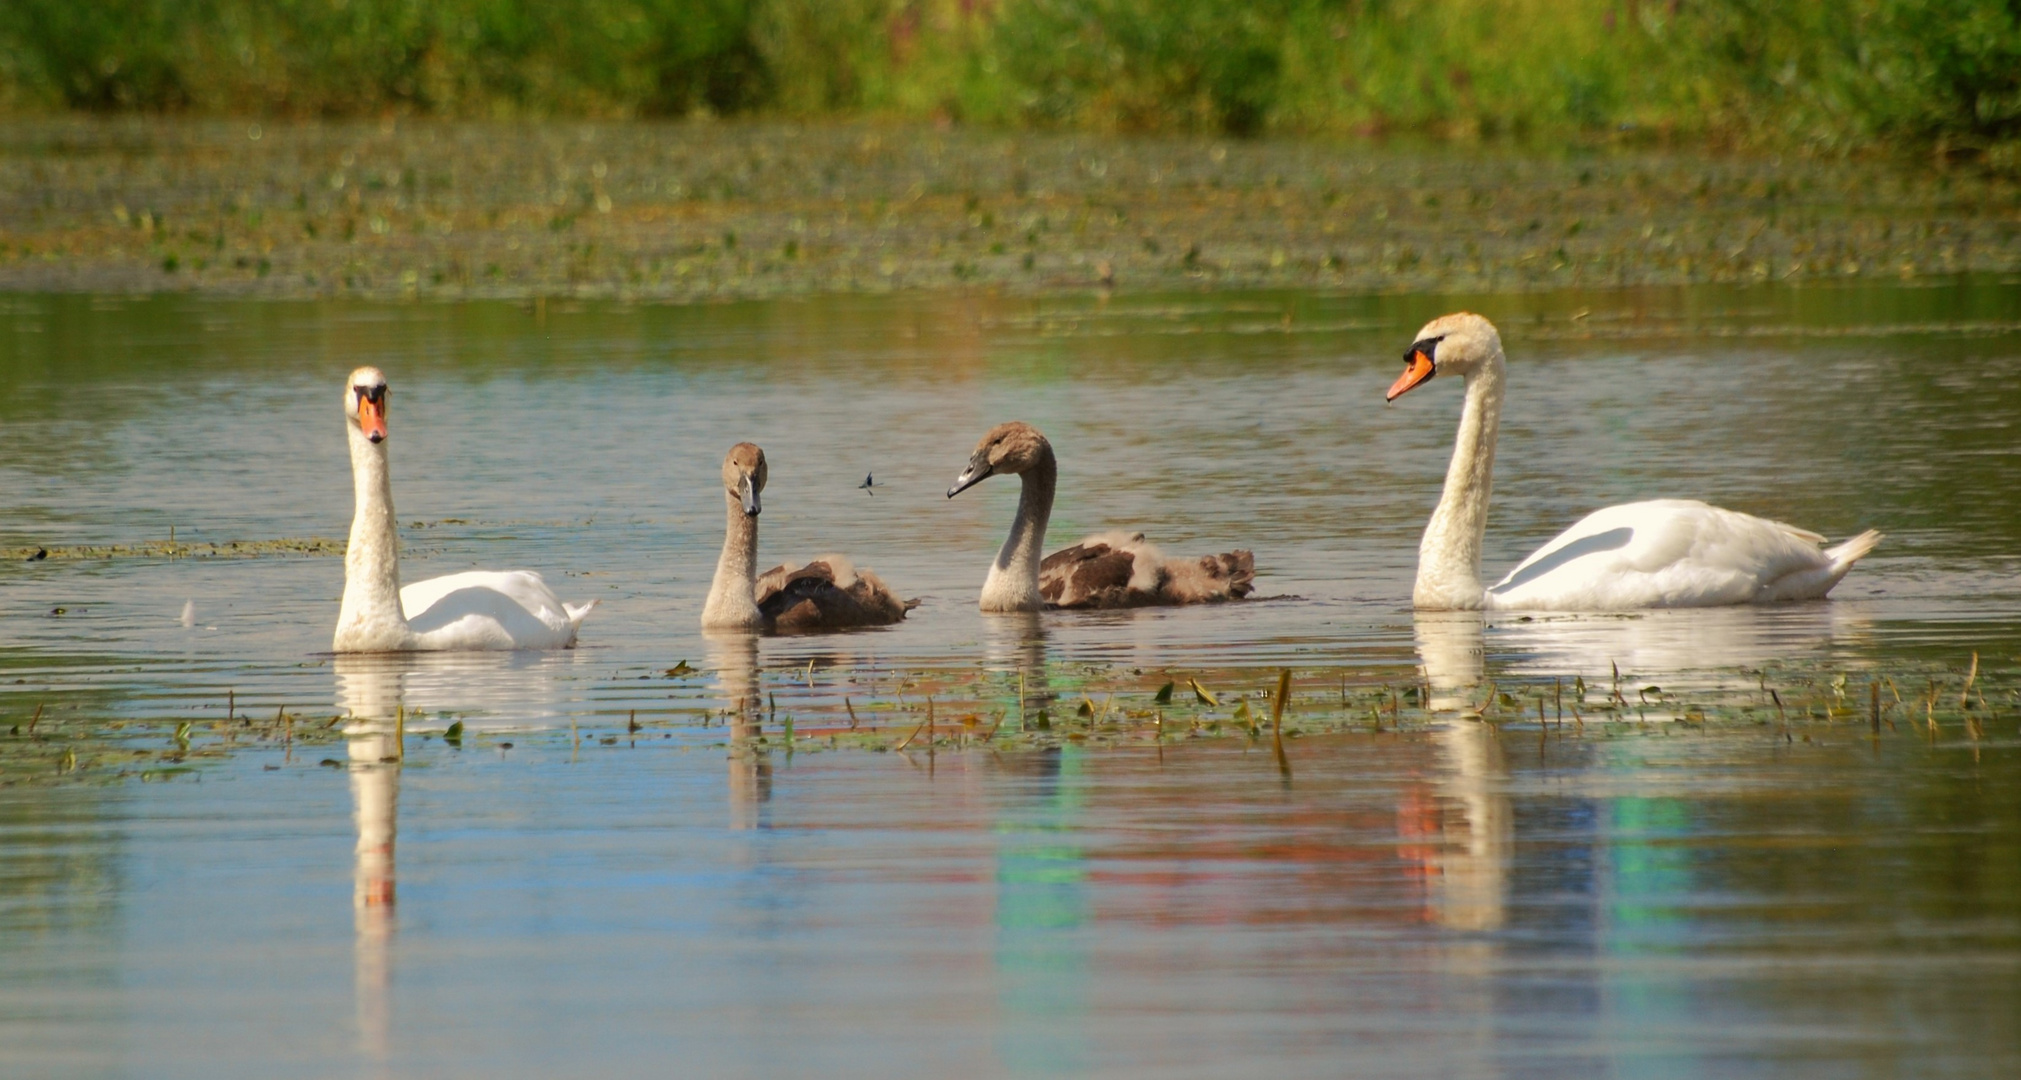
{"x": 1827, "y": 73}
{"x": 706, "y": 210}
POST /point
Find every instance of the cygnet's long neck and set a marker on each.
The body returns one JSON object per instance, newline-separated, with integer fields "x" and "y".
{"x": 1449, "y": 556}
{"x": 1013, "y": 583}
{"x": 731, "y": 603}
{"x": 371, "y": 619}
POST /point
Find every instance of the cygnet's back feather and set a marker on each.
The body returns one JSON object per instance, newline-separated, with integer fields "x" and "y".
{"x": 1118, "y": 570}
{"x": 826, "y": 594}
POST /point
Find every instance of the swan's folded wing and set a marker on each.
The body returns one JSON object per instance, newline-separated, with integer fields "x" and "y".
{"x": 487, "y": 609}
{"x": 1659, "y": 553}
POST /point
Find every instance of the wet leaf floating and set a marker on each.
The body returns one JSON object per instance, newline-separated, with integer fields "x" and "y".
{"x": 679, "y": 670}
{"x": 40, "y": 554}
{"x": 1201, "y": 693}
{"x": 1164, "y": 695}
{"x": 330, "y": 763}
{"x": 1087, "y": 709}
{"x": 454, "y": 735}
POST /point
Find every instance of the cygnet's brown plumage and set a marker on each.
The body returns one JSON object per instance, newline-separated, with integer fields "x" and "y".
{"x": 1114, "y": 570}
{"x": 829, "y": 593}
{"x": 1110, "y": 570}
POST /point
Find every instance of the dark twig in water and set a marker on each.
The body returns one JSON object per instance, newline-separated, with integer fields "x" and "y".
{"x": 914, "y": 735}
{"x": 1277, "y": 723}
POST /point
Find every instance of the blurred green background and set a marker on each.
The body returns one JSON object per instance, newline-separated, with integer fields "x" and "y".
{"x": 1819, "y": 73}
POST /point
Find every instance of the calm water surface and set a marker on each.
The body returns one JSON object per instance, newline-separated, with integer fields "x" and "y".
{"x": 1454, "y": 902}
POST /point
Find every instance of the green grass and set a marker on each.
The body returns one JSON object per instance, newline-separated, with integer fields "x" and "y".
{"x": 1811, "y": 73}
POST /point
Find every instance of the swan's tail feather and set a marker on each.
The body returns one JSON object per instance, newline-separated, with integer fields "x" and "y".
{"x": 1238, "y": 567}
{"x": 578, "y": 612}
{"x": 1845, "y": 555}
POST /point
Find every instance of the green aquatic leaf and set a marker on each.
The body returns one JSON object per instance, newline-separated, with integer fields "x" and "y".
{"x": 454, "y": 735}
{"x": 1164, "y": 695}
{"x": 1202, "y": 693}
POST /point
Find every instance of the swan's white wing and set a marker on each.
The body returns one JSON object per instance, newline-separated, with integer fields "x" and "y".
{"x": 489, "y": 609}
{"x": 1663, "y": 553}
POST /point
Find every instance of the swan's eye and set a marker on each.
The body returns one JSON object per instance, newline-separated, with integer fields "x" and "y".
{"x": 1428, "y": 346}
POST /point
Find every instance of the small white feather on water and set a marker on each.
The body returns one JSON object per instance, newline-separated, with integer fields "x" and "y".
{"x": 189, "y": 612}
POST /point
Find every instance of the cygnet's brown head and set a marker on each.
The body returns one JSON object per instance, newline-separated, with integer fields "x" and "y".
{"x": 1455, "y": 344}
{"x": 1008, "y": 448}
{"x": 744, "y": 475}
{"x": 365, "y": 402}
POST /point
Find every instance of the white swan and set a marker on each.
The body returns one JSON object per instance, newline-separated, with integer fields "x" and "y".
{"x": 477, "y": 609}
{"x": 1661, "y": 553}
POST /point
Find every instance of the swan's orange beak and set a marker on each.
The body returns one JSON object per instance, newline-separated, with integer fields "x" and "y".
{"x": 1416, "y": 368}
{"x": 372, "y": 418}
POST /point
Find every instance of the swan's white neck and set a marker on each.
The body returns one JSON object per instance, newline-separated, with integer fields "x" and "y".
{"x": 1449, "y": 556}
{"x": 1013, "y": 583}
{"x": 732, "y": 603}
{"x": 371, "y": 619}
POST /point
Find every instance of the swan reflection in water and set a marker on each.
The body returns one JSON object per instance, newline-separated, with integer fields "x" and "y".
{"x": 1475, "y": 823}
{"x": 1467, "y": 851}
{"x": 1697, "y": 643}
{"x": 374, "y": 691}
{"x": 369, "y": 692}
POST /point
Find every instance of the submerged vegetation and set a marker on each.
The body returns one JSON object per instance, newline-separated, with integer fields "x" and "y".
{"x": 170, "y": 549}
{"x": 923, "y": 712}
{"x": 440, "y": 209}
{"x": 1800, "y": 72}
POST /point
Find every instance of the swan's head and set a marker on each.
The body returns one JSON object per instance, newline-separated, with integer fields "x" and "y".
{"x": 1008, "y": 448}
{"x": 365, "y": 402}
{"x": 1455, "y": 344}
{"x": 744, "y": 475}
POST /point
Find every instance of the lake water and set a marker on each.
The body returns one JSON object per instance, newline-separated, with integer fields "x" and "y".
{"x": 563, "y": 894}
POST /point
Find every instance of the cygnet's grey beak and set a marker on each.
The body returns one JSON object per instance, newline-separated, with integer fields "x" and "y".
{"x": 976, "y": 473}
{"x": 749, "y": 493}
